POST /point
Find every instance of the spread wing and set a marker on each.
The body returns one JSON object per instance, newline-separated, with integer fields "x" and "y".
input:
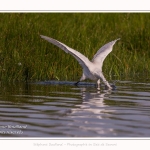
{"x": 102, "y": 53}
{"x": 83, "y": 61}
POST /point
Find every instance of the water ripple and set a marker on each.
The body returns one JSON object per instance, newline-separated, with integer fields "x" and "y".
{"x": 58, "y": 110}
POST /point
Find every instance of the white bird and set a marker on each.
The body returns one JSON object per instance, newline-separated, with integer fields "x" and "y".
{"x": 91, "y": 69}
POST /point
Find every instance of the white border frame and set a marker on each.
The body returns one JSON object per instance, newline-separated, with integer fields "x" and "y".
{"x": 82, "y": 6}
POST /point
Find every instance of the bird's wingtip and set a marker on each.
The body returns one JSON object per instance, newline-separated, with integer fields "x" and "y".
{"x": 41, "y": 36}
{"x": 118, "y": 39}
{"x": 44, "y": 37}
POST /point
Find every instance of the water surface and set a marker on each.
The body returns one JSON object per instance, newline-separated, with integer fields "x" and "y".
{"x": 47, "y": 109}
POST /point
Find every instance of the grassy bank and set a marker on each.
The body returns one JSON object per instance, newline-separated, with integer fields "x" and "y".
{"x": 25, "y": 56}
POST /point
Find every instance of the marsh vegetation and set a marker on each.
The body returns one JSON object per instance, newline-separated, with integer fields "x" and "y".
{"x": 25, "y": 56}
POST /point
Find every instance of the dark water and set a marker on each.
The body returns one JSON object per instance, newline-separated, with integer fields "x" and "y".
{"x": 58, "y": 110}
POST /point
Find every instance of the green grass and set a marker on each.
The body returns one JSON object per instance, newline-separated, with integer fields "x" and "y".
{"x": 25, "y": 56}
